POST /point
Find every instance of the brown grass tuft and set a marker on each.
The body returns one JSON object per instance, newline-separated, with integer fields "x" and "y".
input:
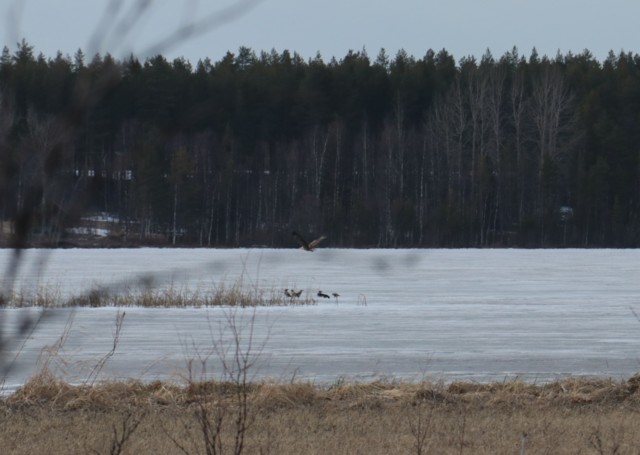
{"x": 46, "y": 389}
{"x": 290, "y": 395}
{"x": 235, "y": 295}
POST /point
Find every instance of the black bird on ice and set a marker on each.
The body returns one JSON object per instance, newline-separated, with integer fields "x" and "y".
{"x": 308, "y": 246}
{"x": 292, "y": 293}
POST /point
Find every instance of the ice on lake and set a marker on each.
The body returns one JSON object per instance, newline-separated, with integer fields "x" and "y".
{"x": 482, "y": 315}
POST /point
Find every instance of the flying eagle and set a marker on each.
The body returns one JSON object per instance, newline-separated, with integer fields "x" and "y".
{"x": 308, "y": 246}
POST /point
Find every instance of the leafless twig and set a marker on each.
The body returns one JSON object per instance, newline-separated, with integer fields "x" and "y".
{"x": 116, "y": 339}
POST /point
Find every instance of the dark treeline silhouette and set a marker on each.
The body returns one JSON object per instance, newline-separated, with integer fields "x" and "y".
{"x": 387, "y": 152}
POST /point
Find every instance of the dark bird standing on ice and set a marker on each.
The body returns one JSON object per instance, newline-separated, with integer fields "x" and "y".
{"x": 322, "y": 294}
{"x": 308, "y": 246}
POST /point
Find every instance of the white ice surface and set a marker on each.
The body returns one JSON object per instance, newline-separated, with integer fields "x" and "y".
{"x": 480, "y": 315}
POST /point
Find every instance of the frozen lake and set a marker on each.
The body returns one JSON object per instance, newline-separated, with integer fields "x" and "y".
{"x": 481, "y": 315}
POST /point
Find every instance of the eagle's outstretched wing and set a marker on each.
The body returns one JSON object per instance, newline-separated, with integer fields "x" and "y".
{"x": 308, "y": 246}
{"x": 303, "y": 243}
{"x": 315, "y": 243}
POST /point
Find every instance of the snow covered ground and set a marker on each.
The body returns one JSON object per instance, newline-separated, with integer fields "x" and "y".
{"x": 482, "y": 315}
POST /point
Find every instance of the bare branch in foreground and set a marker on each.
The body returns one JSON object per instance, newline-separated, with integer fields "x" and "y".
{"x": 52, "y": 140}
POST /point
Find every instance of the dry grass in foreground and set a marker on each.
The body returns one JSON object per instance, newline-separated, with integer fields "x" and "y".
{"x": 565, "y": 417}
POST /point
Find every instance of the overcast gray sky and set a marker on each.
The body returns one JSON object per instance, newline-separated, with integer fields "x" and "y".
{"x": 332, "y": 27}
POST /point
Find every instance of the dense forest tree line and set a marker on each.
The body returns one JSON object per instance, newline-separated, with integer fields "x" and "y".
{"x": 388, "y": 152}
